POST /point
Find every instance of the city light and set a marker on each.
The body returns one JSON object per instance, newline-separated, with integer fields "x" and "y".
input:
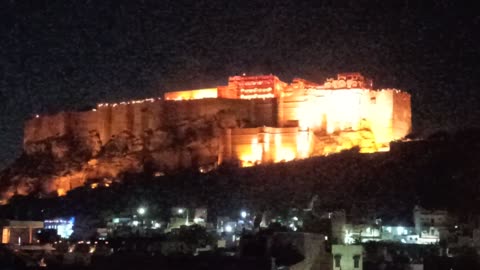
{"x": 198, "y": 220}
{"x": 228, "y": 228}
{"x": 180, "y": 210}
{"x": 141, "y": 211}
{"x": 64, "y": 227}
{"x": 243, "y": 214}
{"x": 348, "y": 238}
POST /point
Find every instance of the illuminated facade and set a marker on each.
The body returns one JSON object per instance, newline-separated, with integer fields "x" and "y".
{"x": 279, "y": 122}
{"x": 63, "y": 226}
{"x": 19, "y": 232}
{"x": 311, "y": 119}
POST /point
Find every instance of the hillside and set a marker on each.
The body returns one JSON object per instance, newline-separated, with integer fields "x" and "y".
{"x": 440, "y": 172}
{"x": 64, "y": 162}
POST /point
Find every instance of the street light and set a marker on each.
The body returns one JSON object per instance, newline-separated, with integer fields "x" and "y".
{"x": 141, "y": 211}
{"x": 243, "y": 214}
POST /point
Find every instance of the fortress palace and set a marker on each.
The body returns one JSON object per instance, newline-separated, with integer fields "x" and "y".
{"x": 272, "y": 121}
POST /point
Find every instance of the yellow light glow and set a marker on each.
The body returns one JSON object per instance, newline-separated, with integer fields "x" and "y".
{"x": 61, "y": 192}
{"x": 303, "y": 144}
{"x": 192, "y": 94}
{"x": 267, "y": 143}
{"x": 254, "y": 156}
{"x": 257, "y": 96}
{"x": 285, "y": 154}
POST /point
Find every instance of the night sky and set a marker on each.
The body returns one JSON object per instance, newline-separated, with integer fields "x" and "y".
{"x": 64, "y": 55}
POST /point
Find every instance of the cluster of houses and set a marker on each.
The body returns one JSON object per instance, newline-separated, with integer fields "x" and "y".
{"x": 342, "y": 245}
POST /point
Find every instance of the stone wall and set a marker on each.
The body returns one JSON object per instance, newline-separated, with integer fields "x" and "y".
{"x": 402, "y": 115}
{"x": 266, "y": 144}
{"x": 109, "y": 121}
{"x": 386, "y": 113}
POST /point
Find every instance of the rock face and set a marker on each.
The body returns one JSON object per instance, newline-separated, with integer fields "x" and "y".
{"x": 59, "y": 163}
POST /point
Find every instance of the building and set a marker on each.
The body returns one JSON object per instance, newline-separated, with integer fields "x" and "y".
{"x": 20, "y": 232}
{"x": 63, "y": 226}
{"x": 429, "y": 228}
{"x": 261, "y": 119}
{"x": 311, "y": 246}
{"x": 200, "y": 216}
{"x": 399, "y": 234}
{"x": 360, "y": 233}
{"x": 338, "y": 221}
{"x": 305, "y": 119}
{"x": 347, "y": 257}
{"x": 182, "y": 216}
{"x": 430, "y": 224}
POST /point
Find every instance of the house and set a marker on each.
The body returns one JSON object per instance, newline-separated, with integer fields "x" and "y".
{"x": 347, "y": 257}
{"x": 19, "y": 232}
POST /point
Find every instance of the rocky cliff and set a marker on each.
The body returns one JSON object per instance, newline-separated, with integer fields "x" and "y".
{"x": 59, "y": 163}
{"x": 97, "y": 146}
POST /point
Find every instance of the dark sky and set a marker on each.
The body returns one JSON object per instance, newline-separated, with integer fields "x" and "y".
{"x": 62, "y": 55}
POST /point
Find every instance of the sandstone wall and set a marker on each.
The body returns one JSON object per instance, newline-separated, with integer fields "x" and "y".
{"x": 267, "y": 144}
{"x": 402, "y": 115}
{"x": 110, "y": 120}
{"x": 41, "y": 128}
{"x": 342, "y": 109}
{"x": 192, "y": 94}
{"x": 389, "y": 115}
{"x": 385, "y": 112}
{"x": 290, "y": 110}
{"x": 378, "y": 113}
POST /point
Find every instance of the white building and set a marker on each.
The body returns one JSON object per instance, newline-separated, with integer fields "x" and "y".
{"x": 431, "y": 223}
{"x": 347, "y": 257}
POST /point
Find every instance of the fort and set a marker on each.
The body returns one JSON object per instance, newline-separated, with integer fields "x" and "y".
{"x": 252, "y": 120}
{"x": 279, "y": 121}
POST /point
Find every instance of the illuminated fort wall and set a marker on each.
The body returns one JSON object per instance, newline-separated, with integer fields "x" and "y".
{"x": 341, "y": 113}
{"x": 284, "y": 121}
{"x": 385, "y": 112}
{"x": 239, "y": 87}
{"x": 109, "y": 120}
{"x": 192, "y": 94}
{"x": 254, "y": 87}
{"x": 266, "y": 144}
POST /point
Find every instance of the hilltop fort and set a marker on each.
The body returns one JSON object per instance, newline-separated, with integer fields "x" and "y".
{"x": 251, "y": 120}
